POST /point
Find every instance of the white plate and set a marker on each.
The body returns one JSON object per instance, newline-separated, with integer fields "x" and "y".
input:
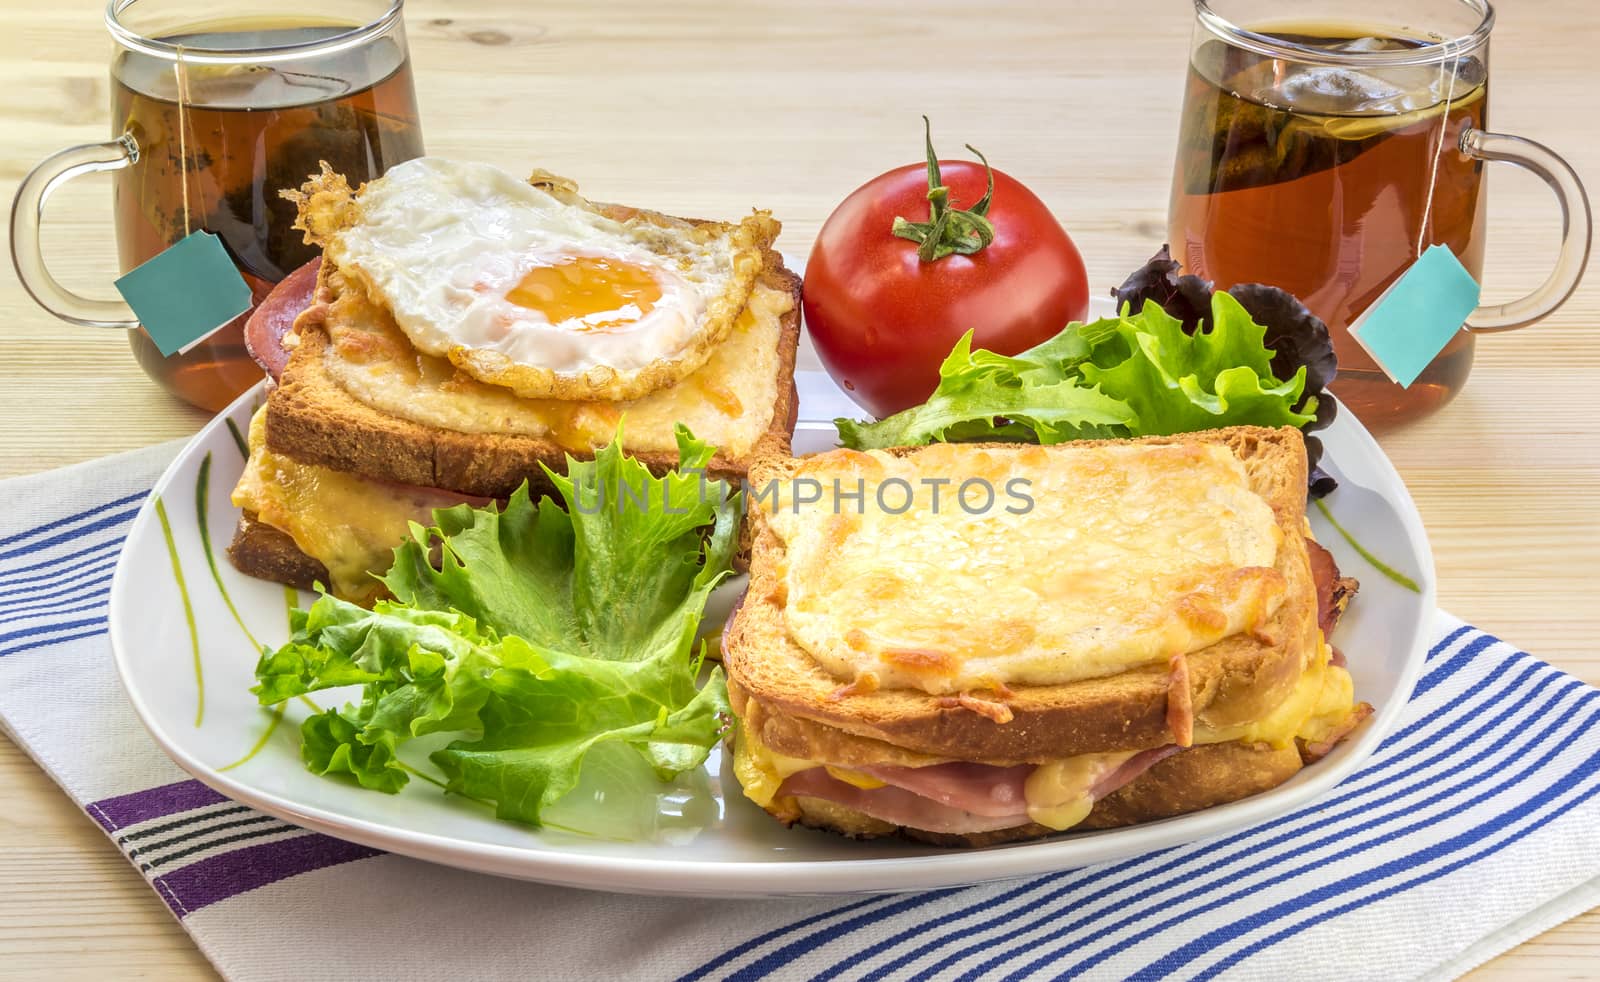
{"x": 710, "y": 843}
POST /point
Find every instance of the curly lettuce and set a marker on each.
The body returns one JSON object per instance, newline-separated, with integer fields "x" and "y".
{"x": 1295, "y": 336}
{"x": 1134, "y": 375}
{"x": 534, "y": 633}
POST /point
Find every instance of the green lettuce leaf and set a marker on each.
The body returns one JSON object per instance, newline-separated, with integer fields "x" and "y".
{"x": 340, "y": 742}
{"x": 337, "y": 643}
{"x": 539, "y": 726}
{"x": 1135, "y": 375}
{"x": 1037, "y": 396}
{"x": 1177, "y": 382}
{"x": 423, "y": 671}
{"x": 534, "y": 632}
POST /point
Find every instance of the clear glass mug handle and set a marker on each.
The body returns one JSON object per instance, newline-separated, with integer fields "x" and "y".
{"x": 1576, "y": 226}
{"x": 28, "y": 208}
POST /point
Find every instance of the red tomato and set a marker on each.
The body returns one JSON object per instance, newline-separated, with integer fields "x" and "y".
{"x": 883, "y": 319}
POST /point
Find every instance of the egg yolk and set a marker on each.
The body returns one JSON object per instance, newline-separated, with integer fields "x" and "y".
{"x": 587, "y": 289}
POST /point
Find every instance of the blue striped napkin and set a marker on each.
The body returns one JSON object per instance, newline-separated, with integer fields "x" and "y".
{"x": 1476, "y": 825}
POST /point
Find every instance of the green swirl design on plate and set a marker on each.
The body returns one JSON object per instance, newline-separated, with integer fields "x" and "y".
{"x": 201, "y": 486}
{"x": 1361, "y": 550}
{"x": 238, "y": 438}
{"x": 272, "y": 727}
{"x": 188, "y": 612}
{"x": 202, "y": 521}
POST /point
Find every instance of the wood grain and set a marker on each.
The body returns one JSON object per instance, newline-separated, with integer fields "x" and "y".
{"x": 710, "y": 108}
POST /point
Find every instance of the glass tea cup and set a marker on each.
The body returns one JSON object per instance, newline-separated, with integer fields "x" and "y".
{"x": 1324, "y": 146}
{"x": 214, "y": 110}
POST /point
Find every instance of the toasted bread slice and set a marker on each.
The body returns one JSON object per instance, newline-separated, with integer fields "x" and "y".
{"x": 1195, "y": 779}
{"x": 264, "y": 552}
{"x": 1236, "y": 679}
{"x": 310, "y": 417}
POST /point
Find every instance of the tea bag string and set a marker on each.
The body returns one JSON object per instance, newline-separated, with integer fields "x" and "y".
{"x": 1453, "y": 67}
{"x": 181, "y": 74}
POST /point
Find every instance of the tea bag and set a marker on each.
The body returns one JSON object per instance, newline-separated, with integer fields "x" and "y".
{"x": 1413, "y": 320}
{"x": 1326, "y": 90}
{"x": 185, "y": 293}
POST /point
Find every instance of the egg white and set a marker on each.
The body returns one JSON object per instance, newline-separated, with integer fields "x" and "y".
{"x": 441, "y": 242}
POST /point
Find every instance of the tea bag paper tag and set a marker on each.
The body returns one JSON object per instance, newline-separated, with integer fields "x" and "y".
{"x": 185, "y": 293}
{"x": 1416, "y": 317}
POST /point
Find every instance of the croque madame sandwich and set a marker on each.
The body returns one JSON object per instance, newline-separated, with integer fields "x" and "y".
{"x": 466, "y": 327}
{"x": 978, "y": 643}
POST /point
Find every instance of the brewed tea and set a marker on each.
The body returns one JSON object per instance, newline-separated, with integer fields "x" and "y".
{"x": 218, "y": 142}
{"x": 1328, "y": 181}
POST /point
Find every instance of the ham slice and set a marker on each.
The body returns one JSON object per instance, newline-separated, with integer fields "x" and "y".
{"x": 1131, "y": 768}
{"x": 426, "y": 499}
{"x": 898, "y": 806}
{"x": 1333, "y": 591}
{"x": 981, "y": 789}
{"x": 275, "y": 315}
{"x": 955, "y": 798}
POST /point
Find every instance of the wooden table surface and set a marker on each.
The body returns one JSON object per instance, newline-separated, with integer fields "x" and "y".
{"x": 709, "y": 108}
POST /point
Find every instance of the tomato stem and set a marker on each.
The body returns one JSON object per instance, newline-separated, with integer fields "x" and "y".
{"x": 949, "y": 230}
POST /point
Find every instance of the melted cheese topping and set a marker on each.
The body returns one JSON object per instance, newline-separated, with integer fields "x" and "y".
{"x": 1319, "y": 701}
{"x": 1123, "y": 556}
{"x": 762, "y": 770}
{"x": 349, "y": 524}
{"x": 727, "y": 402}
{"x": 1058, "y": 792}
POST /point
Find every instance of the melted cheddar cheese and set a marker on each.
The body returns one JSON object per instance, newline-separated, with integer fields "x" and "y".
{"x": 1058, "y": 792}
{"x": 727, "y": 402}
{"x": 349, "y": 524}
{"x": 957, "y": 568}
{"x": 1319, "y": 701}
{"x": 762, "y": 770}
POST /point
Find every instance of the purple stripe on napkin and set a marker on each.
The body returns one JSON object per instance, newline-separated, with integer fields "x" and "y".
{"x": 141, "y": 806}
{"x": 217, "y": 878}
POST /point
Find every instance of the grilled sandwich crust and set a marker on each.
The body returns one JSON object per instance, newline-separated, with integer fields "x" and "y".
{"x": 312, "y": 418}
{"x": 1198, "y": 778}
{"x": 1232, "y": 681}
{"x": 266, "y": 553}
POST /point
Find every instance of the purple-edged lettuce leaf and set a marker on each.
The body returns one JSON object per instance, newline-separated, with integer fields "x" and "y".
{"x": 1185, "y": 296}
{"x": 1297, "y": 337}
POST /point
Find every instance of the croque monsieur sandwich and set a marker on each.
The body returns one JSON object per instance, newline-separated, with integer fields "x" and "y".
{"x": 466, "y": 327}
{"x": 979, "y": 643}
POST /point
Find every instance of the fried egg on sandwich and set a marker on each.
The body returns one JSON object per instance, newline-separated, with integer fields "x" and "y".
{"x": 528, "y": 286}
